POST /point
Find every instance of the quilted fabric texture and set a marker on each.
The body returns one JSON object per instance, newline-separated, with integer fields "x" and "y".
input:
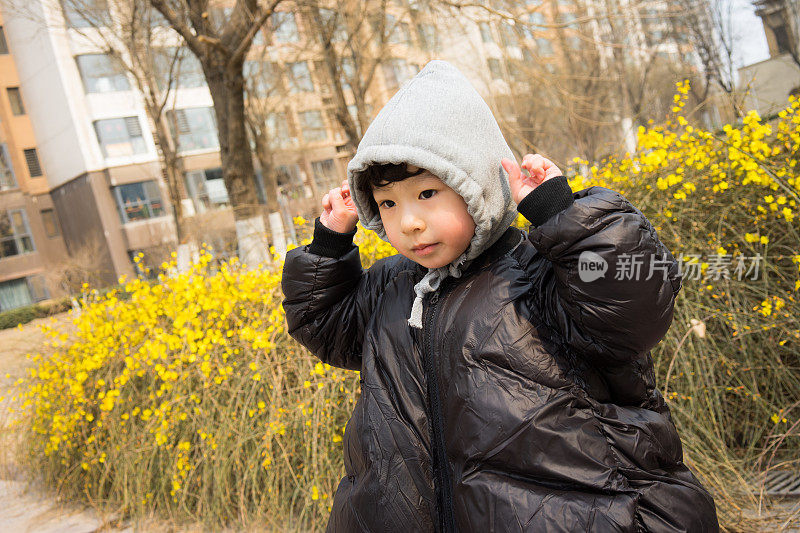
{"x": 527, "y": 402}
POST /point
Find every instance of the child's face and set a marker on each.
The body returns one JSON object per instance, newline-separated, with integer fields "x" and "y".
{"x": 422, "y": 210}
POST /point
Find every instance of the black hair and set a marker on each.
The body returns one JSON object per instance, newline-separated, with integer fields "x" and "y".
{"x": 382, "y": 175}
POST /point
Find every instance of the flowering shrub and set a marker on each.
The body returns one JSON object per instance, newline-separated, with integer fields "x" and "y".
{"x": 187, "y": 397}
{"x": 729, "y": 365}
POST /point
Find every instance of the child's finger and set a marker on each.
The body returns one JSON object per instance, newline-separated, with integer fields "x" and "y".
{"x": 552, "y": 170}
{"x": 336, "y": 199}
{"x": 535, "y": 164}
{"x": 513, "y": 171}
{"x": 326, "y": 201}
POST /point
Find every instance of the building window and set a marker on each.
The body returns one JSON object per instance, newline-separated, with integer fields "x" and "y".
{"x": 50, "y": 223}
{"x": 494, "y": 68}
{"x": 313, "y": 126}
{"x": 486, "y": 32}
{"x": 260, "y": 77}
{"x": 782, "y": 39}
{"x": 324, "y": 173}
{"x": 85, "y": 13}
{"x": 427, "y": 37}
{"x": 333, "y": 25}
{"x": 15, "y": 99}
{"x": 654, "y": 37}
{"x": 288, "y": 175}
{"x": 396, "y": 72}
{"x": 155, "y": 19}
{"x": 299, "y": 77}
{"x": 207, "y": 189}
{"x": 32, "y": 160}
{"x": 3, "y": 43}
{"x": 101, "y": 73}
{"x": 278, "y": 130}
{"x": 7, "y": 180}
{"x": 120, "y": 137}
{"x": 397, "y": 32}
{"x": 194, "y": 128}
{"x": 536, "y": 19}
{"x": 284, "y": 27}
{"x": 15, "y": 233}
{"x": 508, "y": 36}
{"x": 348, "y": 73}
{"x": 138, "y": 201}
{"x": 544, "y": 46}
{"x": 14, "y": 293}
{"x": 177, "y": 67}
{"x": 567, "y": 18}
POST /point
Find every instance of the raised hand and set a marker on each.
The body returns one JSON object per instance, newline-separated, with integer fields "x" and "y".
{"x": 540, "y": 169}
{"x": 338, "y": 210}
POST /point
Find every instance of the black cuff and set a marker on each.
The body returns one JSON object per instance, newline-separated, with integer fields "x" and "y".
{"x": 330, "y": 243}
{"x": 549, "y": 198}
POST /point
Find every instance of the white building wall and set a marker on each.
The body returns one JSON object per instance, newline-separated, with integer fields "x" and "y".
{"x": 769, "y": 83}
{"x": 40, "y": 46}
{"x": 61, "y": 112}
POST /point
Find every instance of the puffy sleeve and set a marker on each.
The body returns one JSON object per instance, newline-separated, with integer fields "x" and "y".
{"x": 329, "y": 297}
{"x": 608, "y": 284}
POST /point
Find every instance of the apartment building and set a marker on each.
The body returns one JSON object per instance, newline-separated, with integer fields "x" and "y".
{"x": 31, "y": 240}
{"x": 770, "y": 82}
{"x": 85, "y": 150}
{"x": 97, "y": 155}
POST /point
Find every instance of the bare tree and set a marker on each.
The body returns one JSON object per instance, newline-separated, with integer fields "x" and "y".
{"x": 709, "y": 24}
{"x": 577, "y": 78}
{"x": 262, "y": 103}
{"x": 354, "y": 41}
{"x": 220, "y": 39}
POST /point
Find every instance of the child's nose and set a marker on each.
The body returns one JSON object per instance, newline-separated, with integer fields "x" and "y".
{"x": 412, "y": 222}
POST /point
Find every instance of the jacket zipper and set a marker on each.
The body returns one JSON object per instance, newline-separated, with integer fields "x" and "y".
{"x": 441, "y": 472}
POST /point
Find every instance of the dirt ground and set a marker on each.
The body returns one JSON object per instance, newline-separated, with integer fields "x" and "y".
{"x": 16, "y": 342}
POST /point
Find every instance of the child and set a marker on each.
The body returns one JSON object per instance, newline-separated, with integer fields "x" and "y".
{"x": 504, "y": 385}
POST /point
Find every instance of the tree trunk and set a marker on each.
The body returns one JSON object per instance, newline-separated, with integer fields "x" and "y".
{"x": 226, "y": 85}
{"x": 267, "y": 172}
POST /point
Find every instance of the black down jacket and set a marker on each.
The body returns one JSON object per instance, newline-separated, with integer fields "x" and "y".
{"x": 526, "y": 402}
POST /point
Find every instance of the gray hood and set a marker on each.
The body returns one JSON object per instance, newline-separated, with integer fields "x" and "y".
{"x": 439, "y": 122}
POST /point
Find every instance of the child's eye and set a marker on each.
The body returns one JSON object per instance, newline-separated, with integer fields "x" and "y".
{"x": 424, "y": 194}
{"x": 386, "y": 203}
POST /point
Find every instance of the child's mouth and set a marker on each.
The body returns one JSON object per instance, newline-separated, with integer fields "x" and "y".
{"x": 425, "y": 250}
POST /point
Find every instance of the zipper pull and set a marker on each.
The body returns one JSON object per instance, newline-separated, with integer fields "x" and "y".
{"x": 435, "y": 297}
